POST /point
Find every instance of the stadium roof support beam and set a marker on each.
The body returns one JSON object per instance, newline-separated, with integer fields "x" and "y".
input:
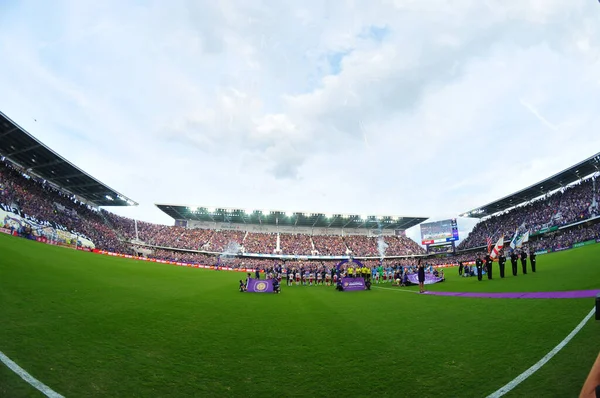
{"x": 48, "y": 164}
{"x": 9, "y": 131}
{"x": 316, "y": 220}
{"x": 23, "y": 150}
{"x": 71, "y": 186}
{"x": 348, "y": 223}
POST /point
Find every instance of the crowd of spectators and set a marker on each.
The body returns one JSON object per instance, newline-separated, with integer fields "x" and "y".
{"x": 574, "y": 203}
{"x": 41, "y": 203}
{"x": 362, "y": 245}
{"x": 229, "y": 241}
{"x": 566, "y": 238}
{"x": 299, "y": 244}
{"x": 258, "y": 242}
{"x": 402, "y": 246}
{"x": 330, "y": 245}
{"x": 37, "y": 200}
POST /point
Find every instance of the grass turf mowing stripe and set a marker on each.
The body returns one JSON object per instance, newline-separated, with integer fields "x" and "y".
{"x": 395, "y": 289}
{"x": 44, "y": 389}
{"x": 520, "y": 378}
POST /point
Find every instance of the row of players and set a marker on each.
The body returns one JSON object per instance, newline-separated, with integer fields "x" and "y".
{"x": 329, "y": 276}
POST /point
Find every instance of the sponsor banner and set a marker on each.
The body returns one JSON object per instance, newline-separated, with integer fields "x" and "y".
{"x": 545, "y": 231}
{"x": 5, "y": 231}
{"x": 541, "y": 252}
{"x": 260, "y": 285}
{"x": 560, "y": 249}
{"x": 430, "y": 279}
{"x": 586, "y": 243}
{"x": 353, "y": 284}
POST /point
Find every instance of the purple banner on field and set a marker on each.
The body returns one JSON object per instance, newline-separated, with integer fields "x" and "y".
{"x": 353, "y": 283}
{"x": 430, "y": 279}
{"x": 260, "y": 285}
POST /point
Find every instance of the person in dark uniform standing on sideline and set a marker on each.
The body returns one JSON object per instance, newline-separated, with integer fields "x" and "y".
{"x": 514, "y": 259}
{"x": 488, "y": 266}
{"x": 524, "y": 261}
{"x": 502, "y": 263}
{"x": 532, "y": 258}
{"x": 460, "y": 268}
{"x": 479, "y": 265}
{"x": 421, "y": 272}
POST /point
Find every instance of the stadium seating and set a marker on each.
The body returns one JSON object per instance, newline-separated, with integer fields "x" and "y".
{"x": 38, "y": 201}
{"x": 574, "y": 203}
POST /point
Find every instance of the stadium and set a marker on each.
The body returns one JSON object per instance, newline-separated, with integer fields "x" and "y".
{"x": 300, "y": 199}
{"x": 136, "y": 308}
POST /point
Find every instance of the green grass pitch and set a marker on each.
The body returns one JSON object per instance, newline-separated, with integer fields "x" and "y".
{"x": 91, "y": 325}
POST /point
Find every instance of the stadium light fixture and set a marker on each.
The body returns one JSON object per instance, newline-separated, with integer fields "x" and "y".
{"x": 289, "y": 213}
{"x": 109, "y": 198}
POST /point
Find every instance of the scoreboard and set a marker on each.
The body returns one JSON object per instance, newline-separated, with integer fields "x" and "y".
{"x": 439, "y": 232}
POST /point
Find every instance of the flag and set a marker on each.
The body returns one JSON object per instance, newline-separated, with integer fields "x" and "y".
{"x": 523, "y": 239}
{"x": 499, "y": 245}
{"x": 489, "y": 243}
{"x": 513, "y": 242}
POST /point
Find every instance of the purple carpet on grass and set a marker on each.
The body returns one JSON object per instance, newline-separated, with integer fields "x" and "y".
{"x": 532, "y": 295}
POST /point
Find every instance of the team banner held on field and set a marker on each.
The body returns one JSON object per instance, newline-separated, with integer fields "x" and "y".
{"x": 260, "y": 285}
{"x": 353, "y": 284}
{"x": 430, "y": 279}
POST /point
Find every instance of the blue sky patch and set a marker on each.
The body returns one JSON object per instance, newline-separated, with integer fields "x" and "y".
{"x": 376, "y": 33}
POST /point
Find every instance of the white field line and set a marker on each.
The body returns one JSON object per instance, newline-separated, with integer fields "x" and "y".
{"x": 44, "y": 389}
{"x": 394, "y": 289}
{"x": 523, "y": 376}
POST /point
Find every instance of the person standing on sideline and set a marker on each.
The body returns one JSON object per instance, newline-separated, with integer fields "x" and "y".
{"x": 524, "y": 261}
{"x": 514, "y": 258}
{"x": 479, "y": 265}
{"x": 488, "y": 266}
{"x": 532, "y": 258}
{"x": 460, "y": 268}
{"x": 502, "y": 262}
{"x": 421, "y": 272}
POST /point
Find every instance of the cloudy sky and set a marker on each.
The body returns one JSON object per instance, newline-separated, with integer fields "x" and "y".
{"x": 405, "y": 107}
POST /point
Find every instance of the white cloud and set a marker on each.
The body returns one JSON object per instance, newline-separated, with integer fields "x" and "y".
{"x": 394, "y": 107}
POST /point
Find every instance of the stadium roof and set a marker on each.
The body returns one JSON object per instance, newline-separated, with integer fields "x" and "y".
{"x": 276, "y": 217}
{"x": 20, "y": 147}
{"x": 557, "y": 181}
